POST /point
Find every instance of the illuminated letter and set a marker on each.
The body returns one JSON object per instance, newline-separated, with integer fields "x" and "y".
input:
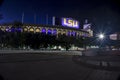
{"x": 65, "y": 21}
{"x": 75, "y": 23}
{"x": 70, "y": 22}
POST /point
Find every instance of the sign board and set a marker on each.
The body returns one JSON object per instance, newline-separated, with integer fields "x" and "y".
{"x": 69, "y": 22}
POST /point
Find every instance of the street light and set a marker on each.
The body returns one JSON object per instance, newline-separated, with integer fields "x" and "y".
{"x": 101, "y": 36}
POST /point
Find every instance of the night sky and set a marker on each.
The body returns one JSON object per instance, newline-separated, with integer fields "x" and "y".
{"x": 103, "y": 14}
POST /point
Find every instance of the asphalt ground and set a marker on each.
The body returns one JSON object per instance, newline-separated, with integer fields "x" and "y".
{"x": 45, "y": 66}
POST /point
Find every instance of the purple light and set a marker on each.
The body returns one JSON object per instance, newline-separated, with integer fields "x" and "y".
{"x": 68, "y": 33}
{"x": 18, "y": 29}
{"x": 43, "y": 30}
{"x": 70, "y": 22}
{"x": 49, "y": 31}
{"x": 7, "y": 29}
{"x": 12, "y": 29}
{"x": 84, "y": 34}
{"x": 73, "y": 33}
{"x": 54, "y": 32}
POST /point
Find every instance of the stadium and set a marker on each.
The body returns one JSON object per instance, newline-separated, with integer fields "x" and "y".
{"x": 67, "y": 28}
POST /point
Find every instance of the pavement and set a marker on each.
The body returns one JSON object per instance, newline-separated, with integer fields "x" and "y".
{"x": 37, "y": 66}
{"x": 56, "y": 52}
{"x": 110, "y": 63}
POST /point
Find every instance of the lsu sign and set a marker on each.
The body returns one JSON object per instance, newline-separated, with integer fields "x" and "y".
{"x": 70, "y": 22}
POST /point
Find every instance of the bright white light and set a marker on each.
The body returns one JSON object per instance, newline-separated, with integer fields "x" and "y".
{"x": 101, "y": 36}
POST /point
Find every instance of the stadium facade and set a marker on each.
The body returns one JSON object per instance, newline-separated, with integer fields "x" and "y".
{"x": 63, "y": 26}
{"x": 47, "y": 29}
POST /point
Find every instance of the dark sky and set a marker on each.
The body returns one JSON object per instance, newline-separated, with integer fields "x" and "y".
{"x": 103, "y": 14}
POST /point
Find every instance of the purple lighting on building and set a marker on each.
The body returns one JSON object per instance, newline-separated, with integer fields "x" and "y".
{"x": 49, "y": 31}
{"x": 12, "y": 29}
{"x": 73, "y": 33}
{"x": 18, "y": 29}
{"x": 54, "y": 32}
{"x": 7, "y": 29}
{"x": 68, "y": 33}
{"x": 43, "y": 30}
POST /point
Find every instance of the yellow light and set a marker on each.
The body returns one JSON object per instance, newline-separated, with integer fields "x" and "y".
{"x": 37, "y": 30}
{"x": 31, "y": 30}
{"x": 25, "y": 29}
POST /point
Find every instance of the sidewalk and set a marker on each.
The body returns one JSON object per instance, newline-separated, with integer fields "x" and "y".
{"x": 4, "y": 52}
{"x": 99, "y": 62}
